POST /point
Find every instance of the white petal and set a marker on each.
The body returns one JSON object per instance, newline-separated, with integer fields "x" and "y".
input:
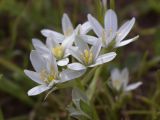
{"x": 63, "y": 62}
{"x": 77, "y": 29}
{"x": 96, "y": 26}
{"x": 67, "y": 75}
{"x": 50, "y": 33}
{"x": 66, "y": 53}
{"x": 34, "y": 76}
{"x": 96, "y": 49}
{"x": 37, "y": 61}
{"x": 76, "y": 66}
{"x": 125, "y": 42}
{"x": 37, "y": 90}
{"x": 110, "y": 21}
{"x": 104, "y": 58}
{"x": 52, "y": 64}
{"x": 51, "y": 43}
{"x": 133, "y": 86}
{"x": 125, "y": 29}
{"x": 67, "y": 43}
{"x": 89, "y": 39}
{"x": 125, "y": 77}
{"x": 85, "y": 28}
{"x": 39, "y": 46}
{"x": 75, "y": 53}
{"x": 81, "y": 44}
{"x": 66, "y": 25}
{"x": 115, "y": 74}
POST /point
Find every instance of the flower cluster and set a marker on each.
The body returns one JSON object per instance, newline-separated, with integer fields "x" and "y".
{"x": 51, "y": 60}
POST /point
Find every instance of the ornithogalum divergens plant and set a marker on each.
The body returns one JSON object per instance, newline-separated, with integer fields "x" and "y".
{"x": 75, "y": 54}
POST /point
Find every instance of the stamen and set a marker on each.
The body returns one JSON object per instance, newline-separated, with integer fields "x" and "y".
{"x": 47, "y": 77}
{"x": 87, "y": 57}
{"x": 58, "y": 52}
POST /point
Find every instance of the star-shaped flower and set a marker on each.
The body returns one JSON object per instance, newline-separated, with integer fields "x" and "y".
{"x": 110, "y": 33}
{"x": 67, "y": 28}
{"x": 59, "y": 50}
{"x": 88, "y": 57}
{"x": 46, "y": 73}
{"x": 120, "y": 79}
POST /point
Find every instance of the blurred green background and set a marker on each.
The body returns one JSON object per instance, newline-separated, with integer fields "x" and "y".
{"x": 22, "y": 20}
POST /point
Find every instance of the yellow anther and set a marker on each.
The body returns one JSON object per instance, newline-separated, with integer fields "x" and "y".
{"x": 87, "y": 57}
{"x": 58, "y": 52}
{"x": 47, "y": 77}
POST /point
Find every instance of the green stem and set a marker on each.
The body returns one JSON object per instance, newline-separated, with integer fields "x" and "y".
{"x": 88, "y": 76}
{"x": 112, "y": 4}
{"x": 92, "y": 88}
{"x": 109, "y": 97}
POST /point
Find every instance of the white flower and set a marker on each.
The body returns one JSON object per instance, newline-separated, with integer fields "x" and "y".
{"x": 120, "y": 79}
{"x": 67, "y": 28}
{"x": 110, "y": 31}
{"x": 88, "y": 57}
{"x": 59, "y": 50}
{"x": 46, "y": 73}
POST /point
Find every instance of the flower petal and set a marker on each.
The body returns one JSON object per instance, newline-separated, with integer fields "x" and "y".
{"x": 34, "y": 76}
{"x": 67, "y": 43}
{"x": 125, "y": 77}
{"x": 52, "y": 64}
{"x": 110, "y": 21}
{"x": 89, "y": 39}
{"x": 133, "y": 86}
{"x": 74, "y": 51}
{"x": 39, "y": 45}
{"x": 76, "y": 66}
{"x": 63, "y": 62}
{"x": 126, "y": 42}
{"x": 125, "y": 29}
{"x": 66, "y": 25}
{"x": 96, "y": 49}
{"x": 115, "y": 74}
{"x": 50, "y": 33}
{"x": 77, "y": 29}
{"x": 81, "y": 44}
{"x": 37, "y": 90}
{"x": 51, "y": 43}
{"x": 68, "y": 75}
{"x": 104, "y": 58}
{"x": 67, "y": 53}
{"x": 38, "y": 62}
{"x": 85, "y": 28}
{"x": 96, "y": 26}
